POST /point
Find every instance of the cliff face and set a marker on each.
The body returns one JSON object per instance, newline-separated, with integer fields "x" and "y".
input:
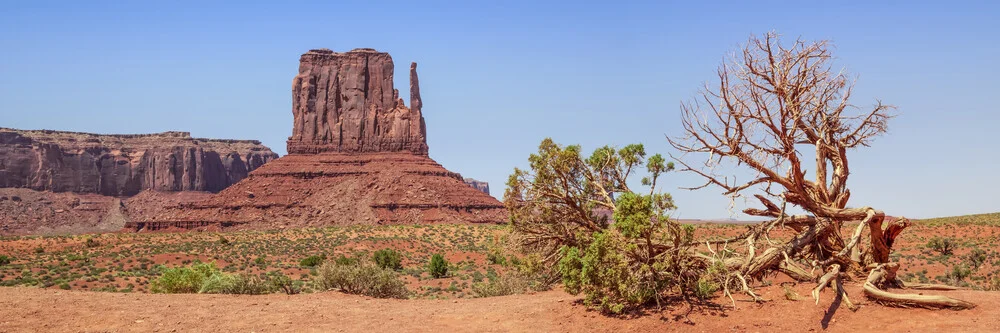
{"x": 357, "y": 155}
{"x": 479, "y": 185}
{"x": 124, "y": 165}
{"x": 345, "y": 102}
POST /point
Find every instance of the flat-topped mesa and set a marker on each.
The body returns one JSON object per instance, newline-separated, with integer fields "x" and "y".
{"x": 346, "y": 102}
{"x": 124, "y": 164}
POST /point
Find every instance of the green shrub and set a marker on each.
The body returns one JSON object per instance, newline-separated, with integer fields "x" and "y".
{"x": 977, "y": 257}
{"x": 179, "y": 280}
{"x": 958, "y": 273}
{"x": 312, "y": 261}
{"x": 705, "y": 288}
{"x": 207, "y": 279}
{"x": 39, "y": 250}
{"x": 362, "y": 278}
{"x": 281, "y": 282}
{"x": 260, "y": 261}
{"x": 496, "y": 257}
{"x": 942, "y": 245}
{"x": 509, "y": 284}
{"x": 438, "y": 266}
{"x": 241, "y": 284}
{"x": 388, "y": 258}
{"x": 91, "y": 243}
{"x": 64, "y": 286}
{"x": 345, "y": 260}
{"x": 5, "y": 260}
{"x": 616, "y": 272}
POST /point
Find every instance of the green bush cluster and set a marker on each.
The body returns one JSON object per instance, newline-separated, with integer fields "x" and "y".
{"x": 438, "y": 266}
{"x": 526, "y": 274}
{"x": 312, "y": 261}
{"x": 91, "y": 243}
{"x": 615, "y": 272}
{"x": 362, "y": 278}
{"x": 388, "y": 259}
{"x": 5, "y": 260}
{"x": 942, "y": 245}
{"x": 206, "y": 278}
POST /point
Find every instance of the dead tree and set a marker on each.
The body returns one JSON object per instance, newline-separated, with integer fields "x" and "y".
{"x": 775, "y": 110}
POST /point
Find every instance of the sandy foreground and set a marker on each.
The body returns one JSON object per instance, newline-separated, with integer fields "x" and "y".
{"x": 25, "y": 309}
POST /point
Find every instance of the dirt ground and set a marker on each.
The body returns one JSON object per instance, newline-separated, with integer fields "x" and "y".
{"x": 24, "y": 309}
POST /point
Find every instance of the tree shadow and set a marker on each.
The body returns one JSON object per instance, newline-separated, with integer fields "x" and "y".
{"x": 837, "y": 299}
{"x": 673, "y": 308}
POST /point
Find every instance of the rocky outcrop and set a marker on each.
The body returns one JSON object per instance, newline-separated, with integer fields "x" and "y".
{"x": 345, "y": 102}
{"x": 300, "y": 190}
{"x": 124, "y": 165}
{"x": 479, "y": 185}
{"x": 357, "y": 155}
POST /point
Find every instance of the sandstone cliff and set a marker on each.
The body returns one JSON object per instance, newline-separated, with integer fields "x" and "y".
{"x": 124, "y": 165}
{"x": 357, "y": 155}
{"x": 345, "y": 102}
{"x": 479, "y": 185}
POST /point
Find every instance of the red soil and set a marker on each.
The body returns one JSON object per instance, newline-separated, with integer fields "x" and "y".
{"x": 32, "y": 309}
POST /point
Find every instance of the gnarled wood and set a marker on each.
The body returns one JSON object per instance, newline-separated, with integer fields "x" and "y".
{"x": 775, "y": 110}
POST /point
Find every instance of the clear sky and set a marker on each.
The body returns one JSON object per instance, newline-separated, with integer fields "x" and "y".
{"x": 497, "y": 78}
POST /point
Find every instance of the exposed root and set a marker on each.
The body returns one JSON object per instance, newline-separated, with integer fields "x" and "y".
{"x": 915, "y": 300}
{"x": 928, "y": 286}
{"x": 825, "y": 280}
{"x": 884, "y": 274}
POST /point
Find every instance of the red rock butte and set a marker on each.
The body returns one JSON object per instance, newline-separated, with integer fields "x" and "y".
{"x": 357, "y": 155}
{"x": 345, "y": 102}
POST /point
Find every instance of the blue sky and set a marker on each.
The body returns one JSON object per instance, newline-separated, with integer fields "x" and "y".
{"x": 498, "y": 78}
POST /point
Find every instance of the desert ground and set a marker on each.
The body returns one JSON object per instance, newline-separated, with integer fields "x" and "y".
{"x": 32, "y": 309}
{"x": 100, "y": 282}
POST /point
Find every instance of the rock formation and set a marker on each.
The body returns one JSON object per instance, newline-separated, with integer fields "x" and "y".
{"x": 479, "y": 185}
{"x": 357, "y": 155}
{"x": 124, "y": 165}
{"x": 345, "y": 102}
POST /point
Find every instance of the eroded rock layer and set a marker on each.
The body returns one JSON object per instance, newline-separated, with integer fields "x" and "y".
{"x": 479, "y": 185}
{"x": 340, "y": 189}
{"x": 357, "y": 155}
{"x": 124, "y": 165}
{"x": 345, "y": 102}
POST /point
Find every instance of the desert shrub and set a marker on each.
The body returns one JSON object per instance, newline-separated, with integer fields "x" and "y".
{"x": 618, "y": 263}
{"x": 958, "y": 274}
{"x": 388, "y": 258}
{"x": 5, "y": 260}
{"x": 527, "y": 275}
{"x": 281, "y": 282}
{"x": 64, "y": 286}
{"x": 180, "y": 280}
{"x": 260, "y": 261}
{"x": 206, "y": 278}
{"x": 616, "y": 272}
{"x": 223, "y": 240}
{"x": 90, "y": 243}
{"x": 39, "y": 250}
{"x": 942, "y": 245}
{"x": 345, "y": 260}
{"x": 977, "y": 257}
{"x": 362, "y": 278}
{"x": 312, "y": 261}
{"x": 496, "y": 257}
{"x": 242, "y": 284}
{"x": 705, "y": 288}
{"x": 994, "y": 284}
{"x": 438, "y": 266}
{"x": 508, "y": 284}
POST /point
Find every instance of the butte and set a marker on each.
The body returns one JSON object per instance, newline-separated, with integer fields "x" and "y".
{"x": 357, "y": 155}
